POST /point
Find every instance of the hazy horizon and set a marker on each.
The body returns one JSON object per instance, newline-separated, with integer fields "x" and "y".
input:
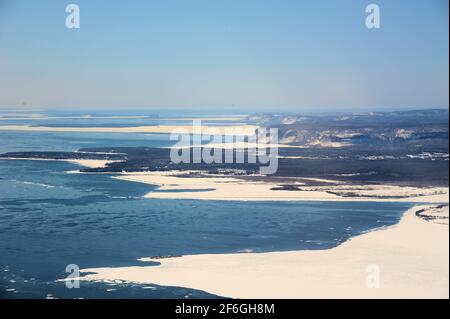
{"x": 176, "y": 112}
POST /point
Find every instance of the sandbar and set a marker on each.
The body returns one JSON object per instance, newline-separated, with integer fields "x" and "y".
{"x": 408, "y": 260}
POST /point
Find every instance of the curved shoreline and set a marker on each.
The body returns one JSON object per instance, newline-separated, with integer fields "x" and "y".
{"x": 412, "y": 259}
{"x": 178, "y": 185}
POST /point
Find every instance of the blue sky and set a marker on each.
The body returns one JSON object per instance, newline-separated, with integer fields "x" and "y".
{"x": 225, "y": 54}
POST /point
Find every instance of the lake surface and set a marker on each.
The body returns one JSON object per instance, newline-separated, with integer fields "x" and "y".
{"x": 50, "y": 218}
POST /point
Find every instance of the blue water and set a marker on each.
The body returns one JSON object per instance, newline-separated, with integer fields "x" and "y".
{"x": 49, "y": 219}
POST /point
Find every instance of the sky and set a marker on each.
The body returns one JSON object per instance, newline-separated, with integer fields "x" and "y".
{"x": 242, "y": 55}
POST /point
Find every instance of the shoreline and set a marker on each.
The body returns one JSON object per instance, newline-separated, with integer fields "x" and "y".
{"x": 89, "y": 163}
{"x": 233, "y": 130}
{"x": 411, "y": 257}
{"x": 178, "y": 185}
